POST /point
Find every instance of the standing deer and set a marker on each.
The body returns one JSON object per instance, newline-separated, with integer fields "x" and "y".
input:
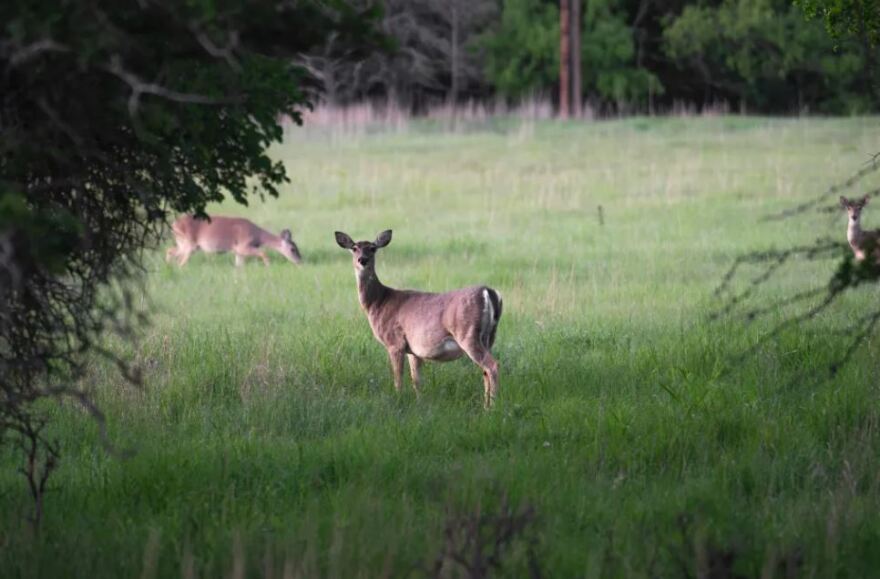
{"x": 426, "y": 326}
{"x": 222, "y": 234}
{"x": 862, "y": 242}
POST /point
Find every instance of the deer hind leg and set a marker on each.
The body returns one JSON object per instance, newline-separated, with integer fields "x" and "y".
{"x": 483, "y": 358}
{"x": 396, "y": 356}
{"x": 415, "y": 364}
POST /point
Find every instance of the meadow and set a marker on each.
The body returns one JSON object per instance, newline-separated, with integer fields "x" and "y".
{"x": 268, "y": 440}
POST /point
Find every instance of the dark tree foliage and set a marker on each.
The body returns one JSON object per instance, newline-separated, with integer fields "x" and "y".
{"x": 755, "y": 55}
{"x": 860, "y": 18}
{"x": 114, "y": 115}
{"x": 522, "y": 55}
{"x": 522, "y": 48}
{"x": 856, "y": 20}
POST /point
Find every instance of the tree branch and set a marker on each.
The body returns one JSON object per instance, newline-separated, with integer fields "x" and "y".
{"x": 31, "y": 51}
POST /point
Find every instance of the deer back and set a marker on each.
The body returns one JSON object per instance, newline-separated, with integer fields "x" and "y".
{"x": 220, "y": 233}
{"x": 423, "y": 321}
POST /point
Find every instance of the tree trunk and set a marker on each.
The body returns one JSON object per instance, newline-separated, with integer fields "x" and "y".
{"x": 564, "y": 59}
{"x": 453, "y": 72}
{"x": 576, "y": 89}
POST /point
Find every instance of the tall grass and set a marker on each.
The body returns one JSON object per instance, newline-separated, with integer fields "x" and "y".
{"x": 384, "y": 116}
{"x": 269, "y": 440}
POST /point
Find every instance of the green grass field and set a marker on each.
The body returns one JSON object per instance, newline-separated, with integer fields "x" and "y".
{"x": 270, "y": 442}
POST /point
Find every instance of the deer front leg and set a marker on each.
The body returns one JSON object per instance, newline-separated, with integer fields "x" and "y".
{"x": 250, "y": 251}
{"x": 415, "y": 364}
{"x": 396, "y": 356}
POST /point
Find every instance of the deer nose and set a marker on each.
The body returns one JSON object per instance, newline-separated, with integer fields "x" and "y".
{"x": 363, "y": 260}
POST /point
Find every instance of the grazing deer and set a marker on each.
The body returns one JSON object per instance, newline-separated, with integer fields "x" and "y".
{"x": 862, "y": 242}
{"x": 426, "y": 326}
{"x": 222, "y": 234}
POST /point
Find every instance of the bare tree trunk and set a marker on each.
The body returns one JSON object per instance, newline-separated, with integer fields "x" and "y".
{"x": 564, "y": 59}
{"x": 576, "y": 89}
{"x": 453, "y": 90}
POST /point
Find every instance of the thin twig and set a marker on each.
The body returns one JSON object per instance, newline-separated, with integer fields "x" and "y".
{"x": 226, "y": 53}
{"x": 871, "y": 166}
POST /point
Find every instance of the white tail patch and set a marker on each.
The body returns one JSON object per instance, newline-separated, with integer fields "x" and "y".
{"x": 488, "y": 318}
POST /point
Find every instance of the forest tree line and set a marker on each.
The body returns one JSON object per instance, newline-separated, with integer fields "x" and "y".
{"x": 636, "y": 55}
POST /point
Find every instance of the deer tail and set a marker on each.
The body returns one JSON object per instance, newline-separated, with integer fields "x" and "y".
{"x": 492, "y": 306}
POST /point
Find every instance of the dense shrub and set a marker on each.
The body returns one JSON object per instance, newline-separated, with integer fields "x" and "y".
{"x": 764, "y": 54}
{"x": 114, "y": 115}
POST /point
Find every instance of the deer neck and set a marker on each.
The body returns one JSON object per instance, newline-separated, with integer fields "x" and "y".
{"x": 854, "y": 232}
{"x": 371, "y": 291}
{"x": 271, "y": 240}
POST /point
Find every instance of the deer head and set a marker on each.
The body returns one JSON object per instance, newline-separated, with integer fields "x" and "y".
{"x": 363, "y": 252}
{"x": 854, "y": 207}
{"x": 288, "y": 248}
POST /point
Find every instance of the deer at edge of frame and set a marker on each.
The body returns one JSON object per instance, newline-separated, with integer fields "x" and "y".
{"x": 862, "y": 242}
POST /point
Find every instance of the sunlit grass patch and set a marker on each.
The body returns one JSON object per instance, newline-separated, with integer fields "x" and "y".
{"x": 267, "y": 433}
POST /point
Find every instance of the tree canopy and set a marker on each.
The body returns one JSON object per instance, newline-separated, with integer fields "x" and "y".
{"x": 855, "y": 21}
{"x": 114, "y": 115}
{"x": 757, "y": 55}
{"x": 859, "y": 18}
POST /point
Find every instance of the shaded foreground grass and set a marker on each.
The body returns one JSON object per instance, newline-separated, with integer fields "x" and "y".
{"x": 269, "y": 440}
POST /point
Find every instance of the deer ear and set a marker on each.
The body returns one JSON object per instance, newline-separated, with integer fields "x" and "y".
{"x": 865, "y": 200}
{"x": 344, "y": 241}
{"x": 286, "y": 235}
{"x": 383, "y": 239}
{"x": 843, "y": 201}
